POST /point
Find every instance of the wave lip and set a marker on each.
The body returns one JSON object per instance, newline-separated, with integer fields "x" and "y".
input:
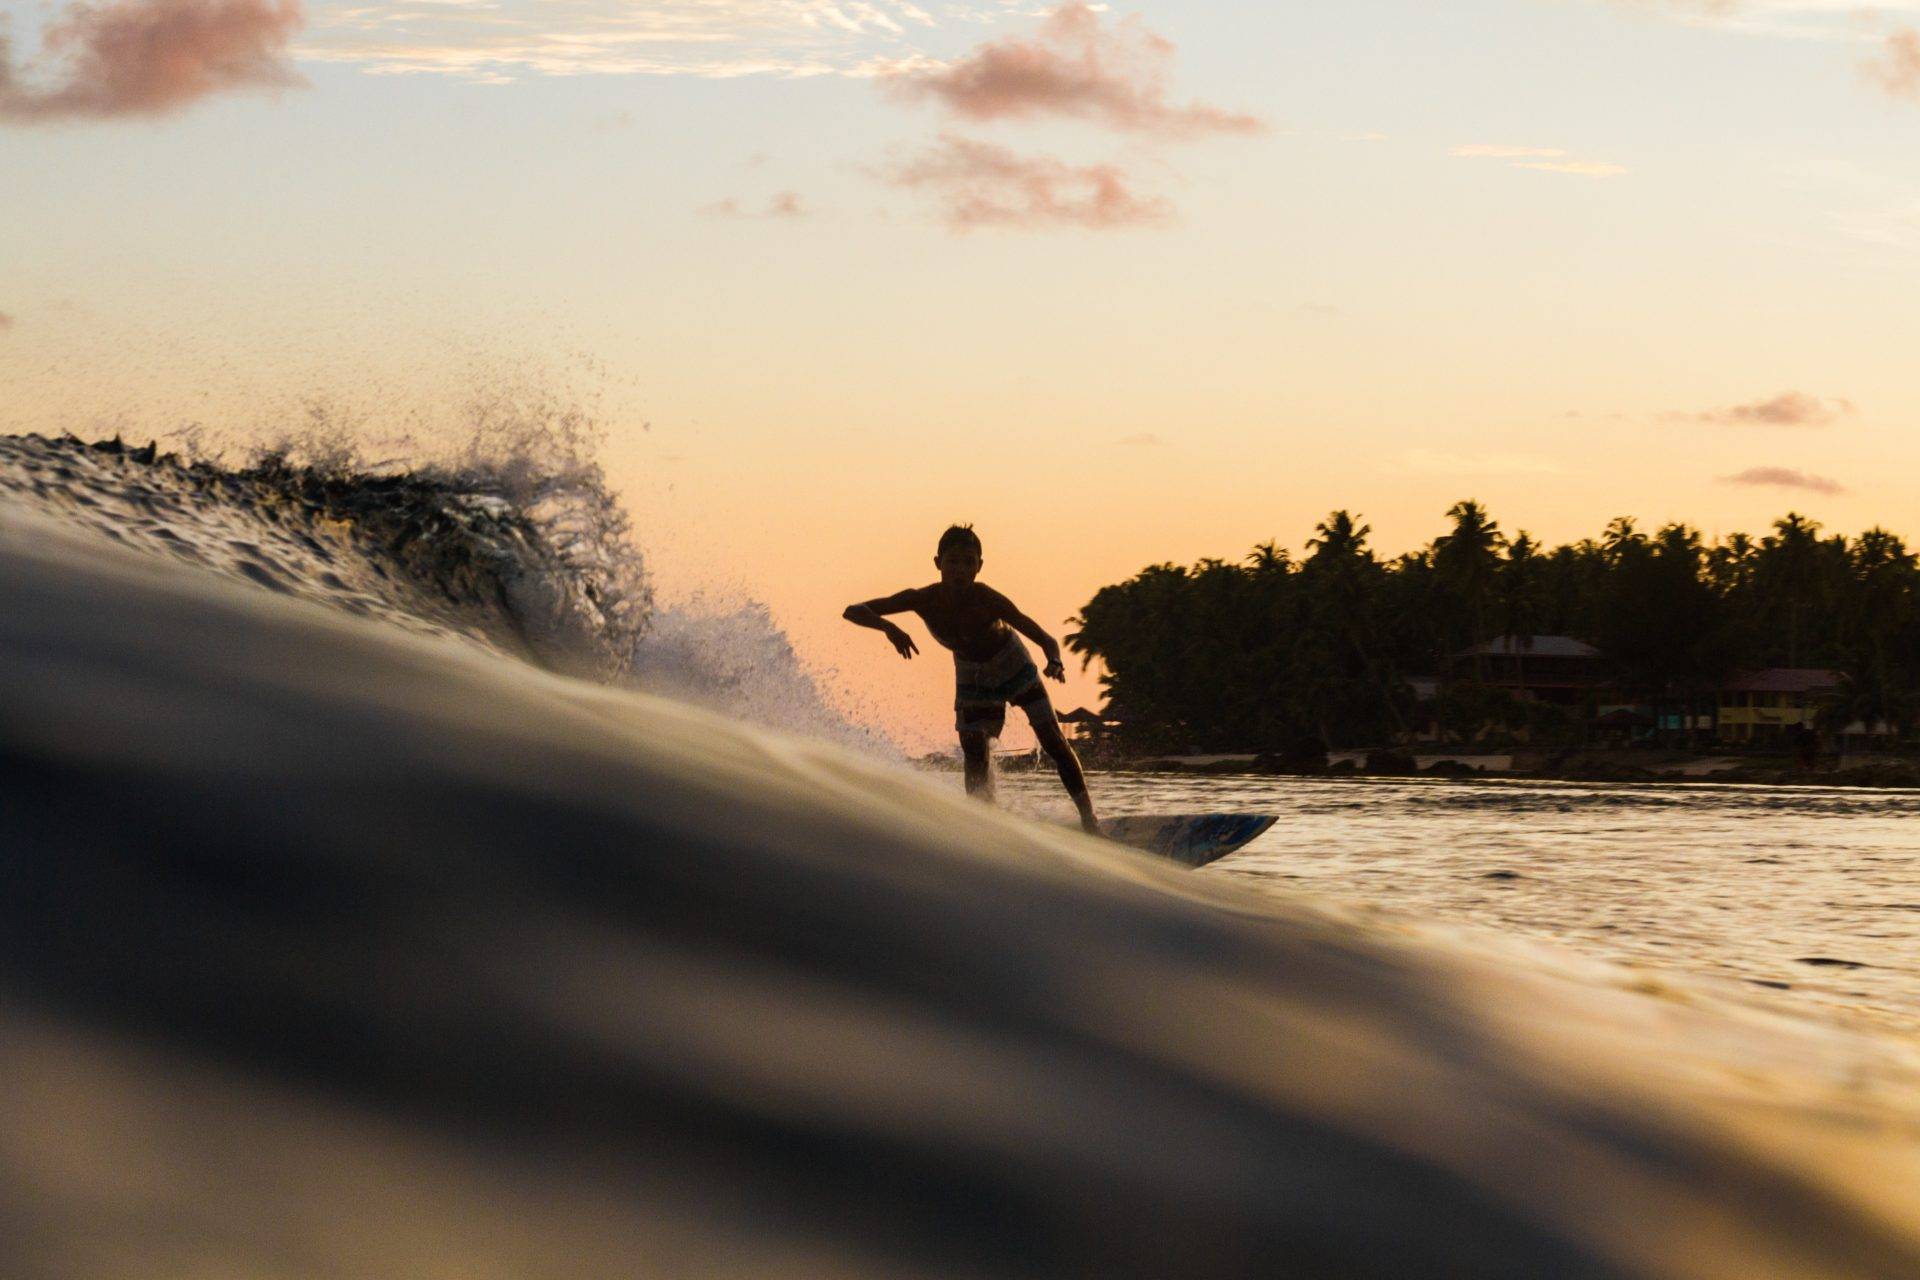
{"x": 433, "y": 551}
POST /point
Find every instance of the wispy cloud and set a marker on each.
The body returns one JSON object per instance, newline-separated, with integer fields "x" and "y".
{"x": 1539, "y": 159}
{"x": 782, "y": 204}
{"x": 1685, "y": 8}
{"x": 499, "y": 41}
{"x": 6, "y": 322}
{"x": 1143, "y": 440}
{"x": 1868, "y": 203}
{"x": 1897, "y": 69}
{"x": 1826, "y": 20}
{"x": 1500, "y": 151}
{"x": 1575, "y": 168}
{"x": 149, "y": 58}
{"x": 1895, "y": 225}
{"x": 1073, "y": 67}
{"x": 978, "y": 184}
{"x": 1785, "y": 478}
{"x": 1788, "y": 409}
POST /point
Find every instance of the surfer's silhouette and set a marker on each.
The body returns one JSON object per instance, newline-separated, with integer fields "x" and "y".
{"x": 991, "y": 667}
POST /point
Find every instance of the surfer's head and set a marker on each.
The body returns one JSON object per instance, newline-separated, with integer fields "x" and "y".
{"x": 958, "y": 557}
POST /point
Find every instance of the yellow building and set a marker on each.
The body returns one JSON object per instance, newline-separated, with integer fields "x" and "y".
{"x": 1763, "y": 705}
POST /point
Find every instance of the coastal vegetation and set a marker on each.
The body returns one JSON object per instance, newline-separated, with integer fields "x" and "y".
{"x": 1288, "y": 654}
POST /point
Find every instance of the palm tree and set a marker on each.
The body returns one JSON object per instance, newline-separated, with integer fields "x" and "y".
{"x": 1621, "y": 541}
{"x": 1731, "y": 561}
{"x": 1788, "y": 572}
{"x": 1521, "y": 587}
{"x": 1342, "y": 582}
{"x": 1466, "y": 566}
{"x": 1269, "y": 557}
{"x": 1877, "y": 627}
{"x": 1340, "y": 536}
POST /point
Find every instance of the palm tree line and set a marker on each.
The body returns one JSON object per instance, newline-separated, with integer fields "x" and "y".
{"x": 1274, "y": 653}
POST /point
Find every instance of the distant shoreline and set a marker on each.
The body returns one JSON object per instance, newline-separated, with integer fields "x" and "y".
{"x": 1663, "y": 768}
{"x": 1878, "y": 773}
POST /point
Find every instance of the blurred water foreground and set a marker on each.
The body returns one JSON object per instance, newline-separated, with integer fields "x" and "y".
{"x": 333, "y": 948}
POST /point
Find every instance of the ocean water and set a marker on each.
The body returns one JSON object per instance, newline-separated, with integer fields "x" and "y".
{"x": 1807, "y": 897}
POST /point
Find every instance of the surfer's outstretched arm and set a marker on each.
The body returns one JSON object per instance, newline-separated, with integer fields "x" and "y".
{"x": 872, "y": 615}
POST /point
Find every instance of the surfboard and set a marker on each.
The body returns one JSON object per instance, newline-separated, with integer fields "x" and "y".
{"x": 1193, "y": 839}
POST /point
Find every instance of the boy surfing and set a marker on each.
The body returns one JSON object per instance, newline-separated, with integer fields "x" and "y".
{"x": 991, "y": 667}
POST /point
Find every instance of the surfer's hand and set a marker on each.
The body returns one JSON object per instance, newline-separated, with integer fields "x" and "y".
{"x": 903, "y": 643}
{"x": 1057, "y": 670}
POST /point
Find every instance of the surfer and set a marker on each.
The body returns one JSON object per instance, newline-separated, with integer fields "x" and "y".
{"x": 991, "y": 667}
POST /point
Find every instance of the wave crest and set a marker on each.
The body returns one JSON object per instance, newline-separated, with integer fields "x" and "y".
{"x": 512, "y": 538}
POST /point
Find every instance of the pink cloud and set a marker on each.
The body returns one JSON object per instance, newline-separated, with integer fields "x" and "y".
{"x": 1785, "y": 478}
{"x": 1788, "y": 409}
{"x": 1074, "y": 67}
{"x": 982, "y": 185}
{"x": 783, "y": 204}
{"x": 6, "y": 322}
{"x": 1898, "y": 68}
{"x": 151, "y": 57}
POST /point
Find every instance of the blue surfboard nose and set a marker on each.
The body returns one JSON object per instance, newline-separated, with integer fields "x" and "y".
{"x": 1192, "y": 839}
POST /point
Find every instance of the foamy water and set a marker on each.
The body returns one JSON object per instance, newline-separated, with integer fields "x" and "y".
{"x": 1808, "y": 897}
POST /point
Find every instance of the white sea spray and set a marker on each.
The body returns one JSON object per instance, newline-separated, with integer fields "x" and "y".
{"x": 496, "y": 520}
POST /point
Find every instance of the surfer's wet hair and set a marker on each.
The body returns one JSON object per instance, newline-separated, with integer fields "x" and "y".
{"x": 959, "y": 536}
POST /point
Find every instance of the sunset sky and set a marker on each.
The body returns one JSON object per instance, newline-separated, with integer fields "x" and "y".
{"x": 1119, "y": 284}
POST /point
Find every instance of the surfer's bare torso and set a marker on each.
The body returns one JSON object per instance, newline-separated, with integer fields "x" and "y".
{"x": 973, "y": 621}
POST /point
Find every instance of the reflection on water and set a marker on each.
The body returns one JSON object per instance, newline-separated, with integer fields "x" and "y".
{"x": 1814, "y": 891}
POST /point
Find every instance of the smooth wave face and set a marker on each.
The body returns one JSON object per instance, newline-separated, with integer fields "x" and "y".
{"x": 340, "y": 945}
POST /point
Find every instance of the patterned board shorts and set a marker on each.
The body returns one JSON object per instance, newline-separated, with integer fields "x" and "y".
{"x": 983, "y": 690}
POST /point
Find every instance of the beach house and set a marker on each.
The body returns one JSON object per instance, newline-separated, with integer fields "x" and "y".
{"x": 1759, "y": 706}
{"x": 1557, "y": 669}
